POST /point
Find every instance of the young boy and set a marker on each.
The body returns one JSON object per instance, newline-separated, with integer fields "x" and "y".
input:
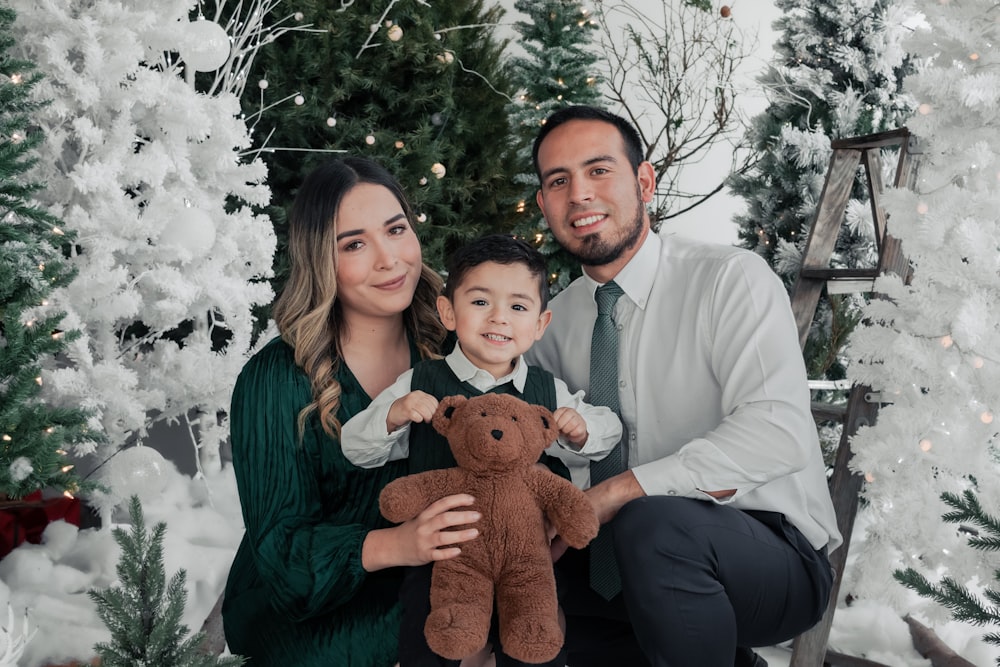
{"x": 495, "y": 300}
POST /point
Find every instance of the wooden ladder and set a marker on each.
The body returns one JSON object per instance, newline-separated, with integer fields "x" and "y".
{"x": 815, "y": 276}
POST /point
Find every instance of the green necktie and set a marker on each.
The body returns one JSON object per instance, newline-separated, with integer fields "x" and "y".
{"x": 604, "y": 577}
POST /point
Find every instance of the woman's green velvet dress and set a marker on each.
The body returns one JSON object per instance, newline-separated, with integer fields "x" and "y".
{"x": 297, "y": 594}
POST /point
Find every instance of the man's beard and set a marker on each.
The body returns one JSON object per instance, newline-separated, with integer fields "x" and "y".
{"x": 595, "y": 251}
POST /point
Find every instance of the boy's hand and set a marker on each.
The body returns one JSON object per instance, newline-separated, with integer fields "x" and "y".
{"x": 572, "y": 426}
{"x": 417, "y": 406}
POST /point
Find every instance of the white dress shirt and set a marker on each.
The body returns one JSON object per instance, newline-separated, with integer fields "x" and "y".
{"x": 366, "y": 443}
{"x": 712, "y": 383}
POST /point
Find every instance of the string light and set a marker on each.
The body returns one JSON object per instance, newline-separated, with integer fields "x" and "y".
{"x": 925, "y": 445}
{"x": 6, "y": 438}
{"x": 946, "y": 341}
{"x": 986, "y": 417}
{"x": 922, "y": 208}
{"x": 16, "y": 78}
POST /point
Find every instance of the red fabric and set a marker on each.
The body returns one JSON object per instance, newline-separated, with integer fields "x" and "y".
{"x": 25, "y": 519}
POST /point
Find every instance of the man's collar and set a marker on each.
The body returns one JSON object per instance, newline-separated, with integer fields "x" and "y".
{"x": 636, "y": 277}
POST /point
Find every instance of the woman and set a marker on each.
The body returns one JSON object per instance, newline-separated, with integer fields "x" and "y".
{"x": 314, "y": 581}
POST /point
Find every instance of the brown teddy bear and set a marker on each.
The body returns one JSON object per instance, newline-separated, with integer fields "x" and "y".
{"x": 496, "y": 440}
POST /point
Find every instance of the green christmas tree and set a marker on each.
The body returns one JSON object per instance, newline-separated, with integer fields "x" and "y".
{"x": 144, "y": 612}
{"x": 558, "y": 69}
{"x": 417, "y": 86}
{"x": 965, "y": 606}
{"x": 34, "y": 434}
{"x": 838, "y": 73}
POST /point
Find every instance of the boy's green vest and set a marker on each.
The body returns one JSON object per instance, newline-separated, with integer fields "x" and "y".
{"x": 429, "y": 449}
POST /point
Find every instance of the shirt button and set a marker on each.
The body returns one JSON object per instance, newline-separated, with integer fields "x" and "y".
{"x": 632, "y": 436}
{"x": 621, "y": 384}
{"x": 621, "y": 327}
{"x": 671, "y": 492}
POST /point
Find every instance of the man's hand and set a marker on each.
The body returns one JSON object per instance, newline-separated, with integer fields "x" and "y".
{"x": 417, "y": 406}
{"x": 610, "y": 495}
{"x": 572, "y": 426}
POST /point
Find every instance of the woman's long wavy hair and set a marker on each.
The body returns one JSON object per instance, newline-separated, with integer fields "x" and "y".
{"x": 308, "y": 313}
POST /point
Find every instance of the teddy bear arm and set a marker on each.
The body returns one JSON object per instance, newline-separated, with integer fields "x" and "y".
{"x": 567, "y": 508}
{"x": 404, "y": 498}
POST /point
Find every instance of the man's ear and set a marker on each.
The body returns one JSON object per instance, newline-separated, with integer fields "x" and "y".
{"x": 543, "y": 323}
{"x": 646, "y": 176}
{"x": 446, "y": 312}
{"x": 541, "y": 204}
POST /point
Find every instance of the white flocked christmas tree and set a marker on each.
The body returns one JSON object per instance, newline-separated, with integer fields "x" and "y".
{"x": 932, "y": 348}
{"x": 148, "y": 173}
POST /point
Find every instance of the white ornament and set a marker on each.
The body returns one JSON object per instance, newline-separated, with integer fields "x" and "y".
{"x": 20, "y": 468}
{"x": 331, "y": 121}
{"x": 207, "y": 46}
{"x": 137, "y": 471}
{"x": 447, "y": 57}
{"x": 438, "y": 170}
{"x": 370, "y": 140}
{"x": 185, "y": 227}
{"x": 300, "y": 100}
{"x": 423, "y": 180}
{"x": 395, "y": 33}
{"x": 262, "y": 84}
{"x": 422, "y": 217}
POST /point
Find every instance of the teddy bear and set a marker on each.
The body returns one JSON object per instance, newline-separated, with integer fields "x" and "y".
{"x": 496, "y": 440}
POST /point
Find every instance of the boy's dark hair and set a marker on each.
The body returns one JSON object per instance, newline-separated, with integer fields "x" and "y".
{"x": 630, "y": 136}
{"x": 502, "y": 249}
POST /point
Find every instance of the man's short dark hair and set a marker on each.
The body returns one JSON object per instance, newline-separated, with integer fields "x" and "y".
{"x": 630, "y": 136}
{"x": 501, "y": 249}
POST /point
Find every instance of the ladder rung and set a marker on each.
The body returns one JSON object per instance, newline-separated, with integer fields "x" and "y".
{"x": 823, "y": 412}
{"x": 878, "y": 140}
{"x": 838, "y": 274}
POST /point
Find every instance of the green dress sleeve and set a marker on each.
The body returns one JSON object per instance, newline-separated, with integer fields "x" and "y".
{"x": 306, "y": 510}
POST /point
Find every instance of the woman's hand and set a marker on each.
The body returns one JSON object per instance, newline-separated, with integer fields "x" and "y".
{"x": 423, "y": 539}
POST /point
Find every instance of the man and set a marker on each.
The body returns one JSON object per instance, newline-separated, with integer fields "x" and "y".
{"x": 718, "y": 520}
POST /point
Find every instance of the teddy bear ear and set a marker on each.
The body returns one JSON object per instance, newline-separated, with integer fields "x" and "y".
{"x": 548, "y": 421}
{"x": 441, "y": 421}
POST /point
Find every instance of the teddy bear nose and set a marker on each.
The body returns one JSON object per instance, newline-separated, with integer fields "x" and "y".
{"x": 496, "y": 433}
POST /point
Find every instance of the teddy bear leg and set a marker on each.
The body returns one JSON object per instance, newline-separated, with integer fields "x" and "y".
{"x": 461, "y": 610}
{"x": 529, "y": 611}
